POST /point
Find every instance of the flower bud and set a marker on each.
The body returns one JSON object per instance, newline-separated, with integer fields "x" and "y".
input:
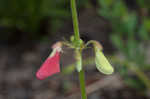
{"x": 78, "y": 58}
{"x": 102, "y": 63}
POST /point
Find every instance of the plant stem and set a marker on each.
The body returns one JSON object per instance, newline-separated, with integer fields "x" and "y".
{"x": 82, "y": 84}
{"x": 75, "y": 20}
{"x": 77, "y": 39}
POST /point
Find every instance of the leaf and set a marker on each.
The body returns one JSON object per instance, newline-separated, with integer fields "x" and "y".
{"x": 117, "y": 41}
{"x": 102, "y": 63}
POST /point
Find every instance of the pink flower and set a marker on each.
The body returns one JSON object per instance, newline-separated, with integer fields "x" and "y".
{"x": 51, "y": 64}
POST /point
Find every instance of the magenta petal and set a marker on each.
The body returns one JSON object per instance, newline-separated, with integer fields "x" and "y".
{"x": 49, "y": 67}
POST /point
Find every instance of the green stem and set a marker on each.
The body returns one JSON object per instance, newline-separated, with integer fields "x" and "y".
{"x": 82, "y": 84}
{"x": 75, "y": 20}
{"x": 77, "y": 39}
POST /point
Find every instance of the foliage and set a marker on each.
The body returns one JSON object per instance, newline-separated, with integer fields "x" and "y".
{"x": 26, "y": 15}
{"x": 130, "y": 35}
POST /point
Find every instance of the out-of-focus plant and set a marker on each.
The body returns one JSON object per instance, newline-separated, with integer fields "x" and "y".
{"x": 143, "y": 4}
{"x": 26, "y": 15}
{"x": 130, "y": 35}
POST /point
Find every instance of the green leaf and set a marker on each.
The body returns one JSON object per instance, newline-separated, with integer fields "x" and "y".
{"x": 117, "y": 41}
{"x": 130, "y": 22}
{"x": 102, "y": 63}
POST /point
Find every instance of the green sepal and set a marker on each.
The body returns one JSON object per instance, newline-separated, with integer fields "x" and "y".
{"x": 72, "y": 38}
{"x": 79, "y": 65}
{"x": 76, "y": 43}
{"x": 78, "y": 58}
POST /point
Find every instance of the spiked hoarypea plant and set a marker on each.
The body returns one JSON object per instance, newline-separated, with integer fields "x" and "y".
{"x": 51, "y": 64}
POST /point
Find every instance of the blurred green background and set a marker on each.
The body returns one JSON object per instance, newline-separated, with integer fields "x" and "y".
{"x": 122, "y": 26}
